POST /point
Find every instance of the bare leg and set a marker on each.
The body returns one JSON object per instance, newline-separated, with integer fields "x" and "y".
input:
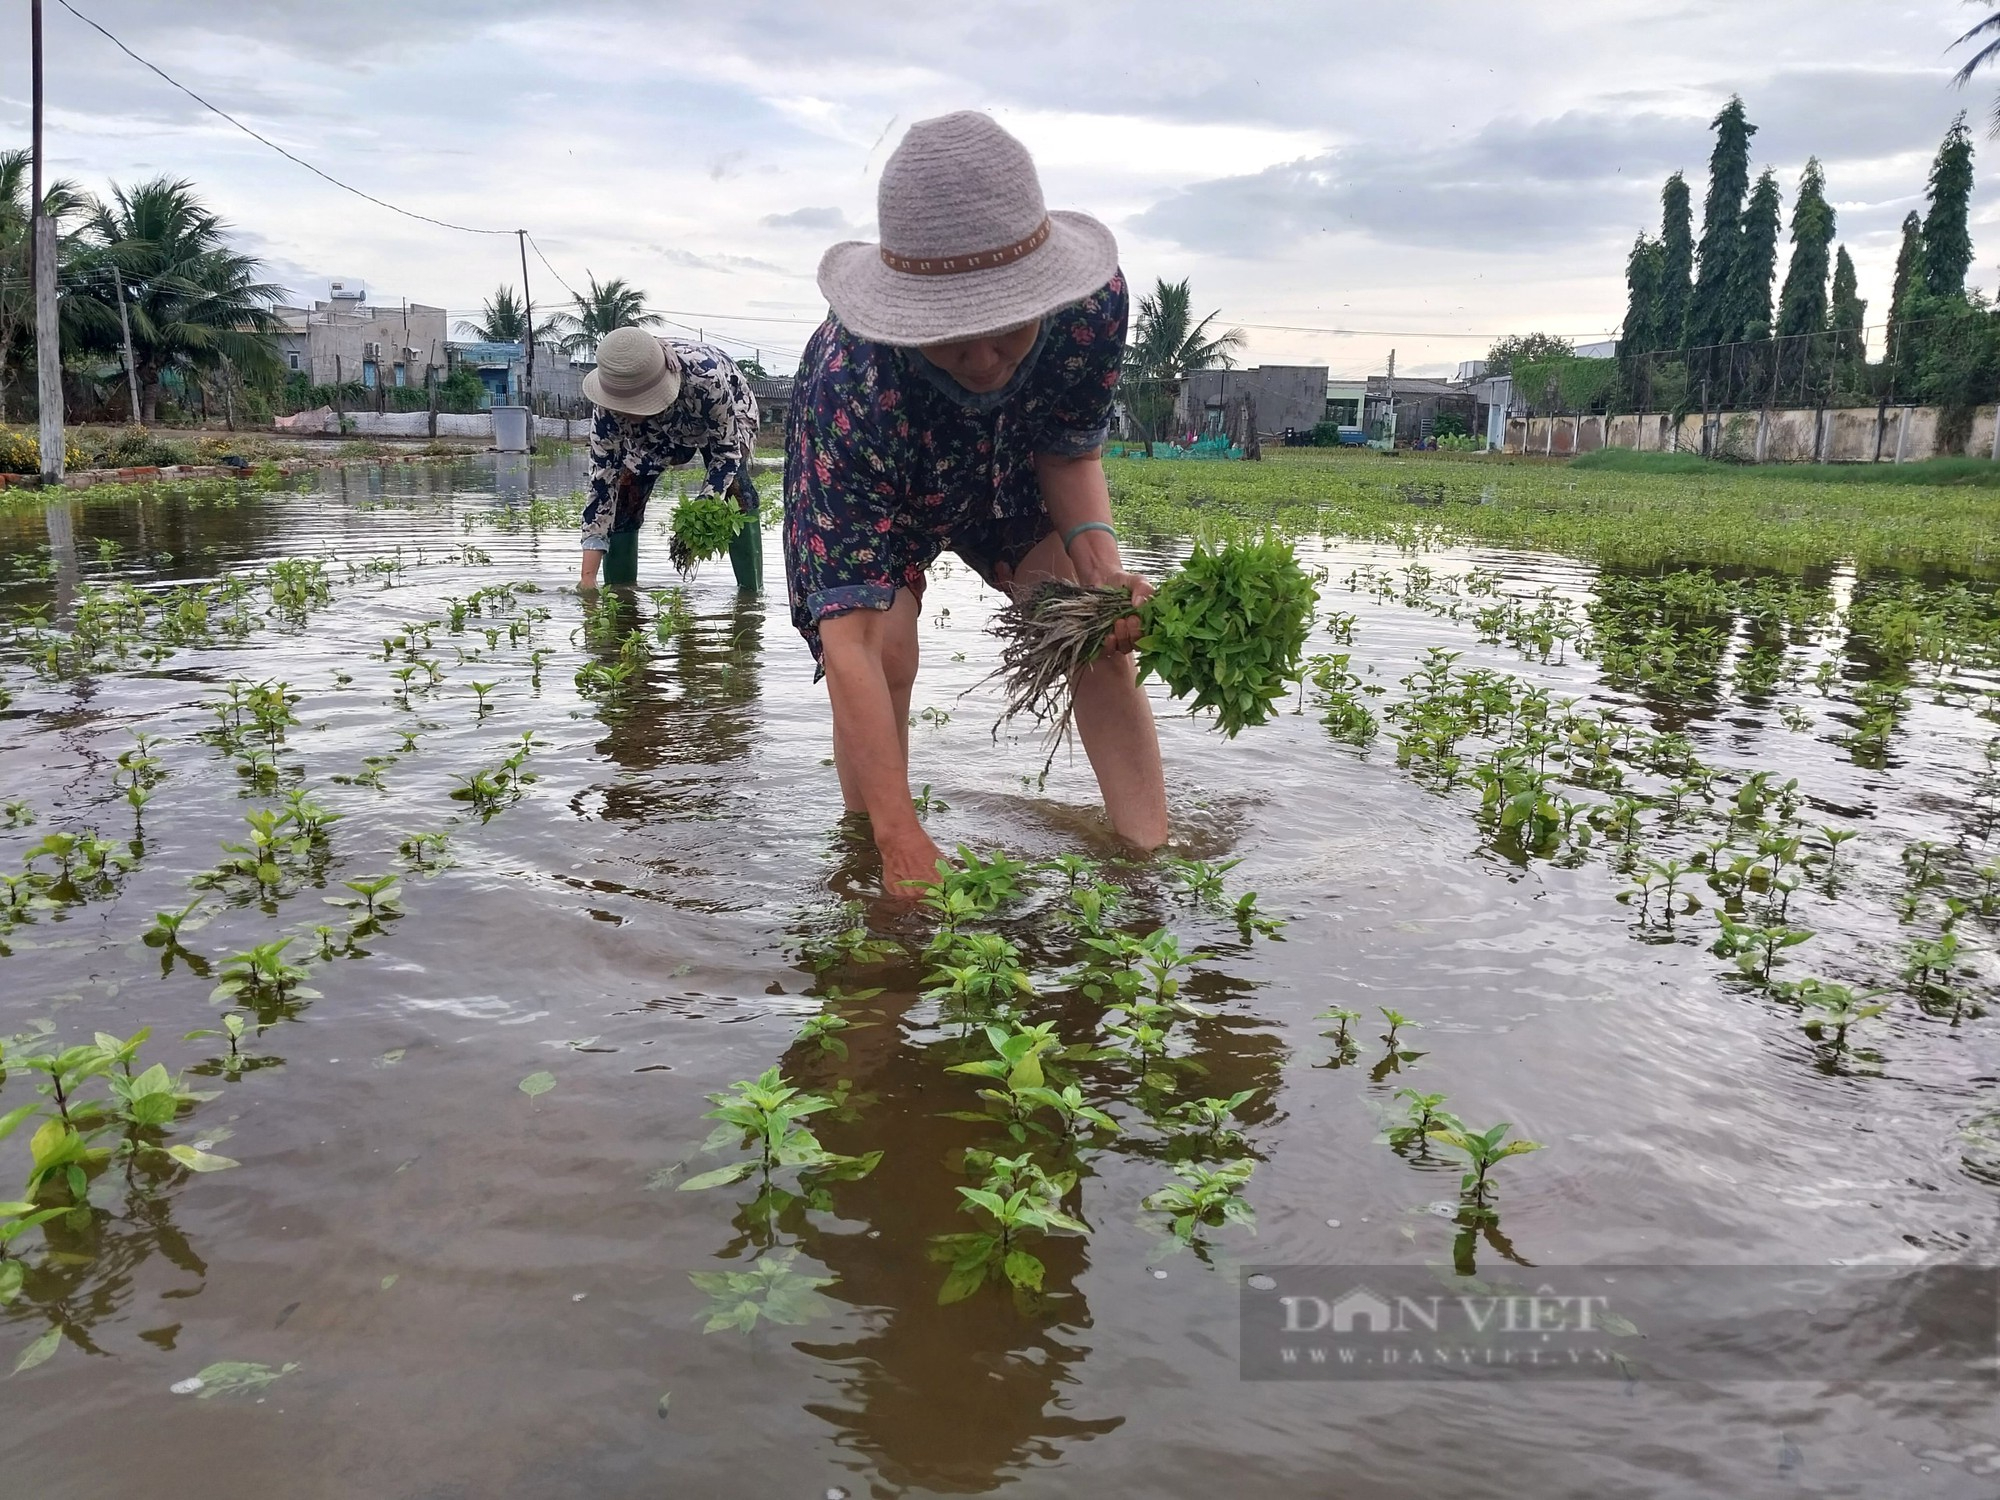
{"x": 899, "y": 668}
{"x": 1114, "y": 720}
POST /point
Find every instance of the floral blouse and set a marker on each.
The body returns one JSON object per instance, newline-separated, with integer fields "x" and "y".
{"x": 714, "y": 415}
{"x": 888, "y": 461}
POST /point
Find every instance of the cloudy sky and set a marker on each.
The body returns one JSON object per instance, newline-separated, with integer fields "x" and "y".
{"x": 1428, "y": 174}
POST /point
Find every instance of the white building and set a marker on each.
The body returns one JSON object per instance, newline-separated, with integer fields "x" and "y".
{"x": 343, "y": 339}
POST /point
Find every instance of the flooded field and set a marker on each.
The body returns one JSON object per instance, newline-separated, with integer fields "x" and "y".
{"x": 1686, "y": 874}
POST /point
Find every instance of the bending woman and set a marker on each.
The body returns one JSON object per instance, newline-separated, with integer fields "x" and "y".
{"x": 660, "y": 402}
{"x": 958, "y": 400}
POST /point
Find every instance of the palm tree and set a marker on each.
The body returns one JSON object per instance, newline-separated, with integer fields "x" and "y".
{"x": 501, "y": 320}
{"x": 613, "y": 304}
{"x": 1168, "y": 346}
{"x": 195, "y": 305}
{"x": 1986, "y": 56}
{"x": 60, "y": 200}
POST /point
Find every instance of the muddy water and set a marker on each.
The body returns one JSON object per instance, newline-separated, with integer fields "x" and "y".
{"x": 487, "y": 1293}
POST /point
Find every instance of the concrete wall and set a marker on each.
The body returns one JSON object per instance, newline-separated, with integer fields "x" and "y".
{"x": 418, "y": 424}
{"x": 1853, "y": 435}
{"x": 1286, "y": 395}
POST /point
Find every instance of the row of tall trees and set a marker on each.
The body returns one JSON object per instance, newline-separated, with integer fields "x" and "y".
{"x": 1709, "y": 324}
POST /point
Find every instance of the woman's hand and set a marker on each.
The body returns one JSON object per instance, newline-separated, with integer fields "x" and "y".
{"x": 1125, "y": 635}
{"x": 909, "y": 862}
{"x": 1094, "y": 555}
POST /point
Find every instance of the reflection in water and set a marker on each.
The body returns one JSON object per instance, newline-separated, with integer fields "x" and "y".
{"x": 62, "y": 552}
{"x": 959, "y": 1398}
{"x": 84, "y": 1275}
{"x": 513, "y": 479}
{"x": 852, "y": 1362}
{"x": 949, "y": 1399}
{"x": 691, "y": 702}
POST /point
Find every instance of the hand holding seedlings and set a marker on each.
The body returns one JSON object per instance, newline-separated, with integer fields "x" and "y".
{"x": 1226, "y": 632}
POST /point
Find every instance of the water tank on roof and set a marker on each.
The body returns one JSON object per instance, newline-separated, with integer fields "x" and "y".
{"x": 347, "y": 291}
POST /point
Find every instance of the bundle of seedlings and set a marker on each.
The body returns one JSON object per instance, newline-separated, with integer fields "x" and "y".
{"x": 1224, "y": 632}
{"x": 704, "y": 526}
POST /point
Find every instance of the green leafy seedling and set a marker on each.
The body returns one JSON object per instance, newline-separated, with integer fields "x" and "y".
{"x": 1209, "y": 1119}
{"x": 377, "y": 893}
{"x": 1205, "y": 1197}
{"x": 1016, "y": 1200}
{"x": 1483, "y": 1150}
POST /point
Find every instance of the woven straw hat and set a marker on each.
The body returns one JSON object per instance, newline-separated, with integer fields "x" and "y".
{"x": 634, "y": 374}
{"x": 968, "y": 247}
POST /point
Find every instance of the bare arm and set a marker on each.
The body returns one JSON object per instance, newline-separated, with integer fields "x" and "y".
{"x": 869, "y": 743}
{"x": 1074, "y": 491}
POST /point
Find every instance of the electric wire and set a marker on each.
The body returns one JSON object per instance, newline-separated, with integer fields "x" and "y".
{"x": 408, "y": 213}
{"x": 670, "y": 314}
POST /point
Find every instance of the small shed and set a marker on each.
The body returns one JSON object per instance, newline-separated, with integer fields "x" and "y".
{"x": 1418, "y": 404}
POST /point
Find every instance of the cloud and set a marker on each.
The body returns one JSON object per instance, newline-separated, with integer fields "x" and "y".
{"x": 831, "y": 219}
{"x": 687, "y": 260}
{"x": 1303, "y": 171}
{"x": 1881, "y": 112}
{"x": 1512, "y": 186}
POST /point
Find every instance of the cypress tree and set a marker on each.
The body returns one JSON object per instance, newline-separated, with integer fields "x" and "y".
{"x": 1756, "y": 263}
{"x": 1676, "y": 263}
{"x": 1640, "y": 339}
{"x": 1802, "y": 304}
{"x": 1850, "y": 317}
{"x": 1906, "y": 292}
{"x": 1641, "y": 333}
{"x": 1850, "y": 313}
{"x": 1708, "y": 317}
{"x": 1947, "y": 237}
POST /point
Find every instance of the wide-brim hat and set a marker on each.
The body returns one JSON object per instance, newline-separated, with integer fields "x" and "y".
{"x": 634, "y": 374}
{"x": 968, "y": 246}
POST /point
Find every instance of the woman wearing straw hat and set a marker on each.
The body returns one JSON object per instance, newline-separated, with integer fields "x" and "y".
{"x": 659, "y": 403}
{"x": 957, "y": 400}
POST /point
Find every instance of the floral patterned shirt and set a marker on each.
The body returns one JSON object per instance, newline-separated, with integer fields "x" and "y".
{"x": 888, "y": 461}
{"x": 715, "y": 415}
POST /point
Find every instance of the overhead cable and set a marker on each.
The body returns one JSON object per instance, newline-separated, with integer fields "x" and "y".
{"x": 408, "y": 213}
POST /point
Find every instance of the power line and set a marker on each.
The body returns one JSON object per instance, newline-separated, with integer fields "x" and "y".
{"x": 407, "y": 213}
{"x": 731, "y": 317}
{"x": 553, "y": 271}
{"x": 698, "y": 331}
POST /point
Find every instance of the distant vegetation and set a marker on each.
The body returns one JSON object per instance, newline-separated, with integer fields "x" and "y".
{"x": 200, "y": 318}
{"x": 1708, "y": 325}
{"x": 1976, "y": 472}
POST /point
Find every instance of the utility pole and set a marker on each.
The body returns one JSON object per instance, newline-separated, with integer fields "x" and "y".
{"x": 125, "y": 328}
{"x": 1389, "y": 395}
{"x": 48, "y": 346}
{"x": 528, "y": 317}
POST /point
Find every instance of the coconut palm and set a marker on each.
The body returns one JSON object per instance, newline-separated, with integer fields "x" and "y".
{"x": 1986, "y": 56}
{"x": 60, "y": 200}
{"x": 1167, "y": 346}
{"x": 195, "y": 305}
{"x": 500, "y": 321}
{"x": 608, "y": 305}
